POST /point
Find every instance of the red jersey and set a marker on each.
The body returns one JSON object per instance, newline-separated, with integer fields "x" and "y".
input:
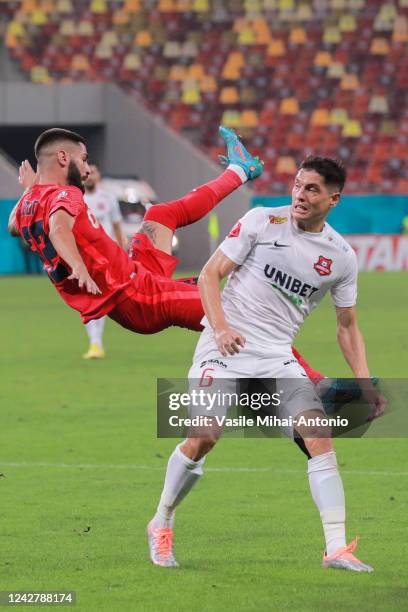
{"x": 108, "y": 264}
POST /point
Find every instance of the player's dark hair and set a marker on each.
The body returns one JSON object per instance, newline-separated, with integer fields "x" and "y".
{"x": 333, "y": 171}
{"x": 55, "y": 135}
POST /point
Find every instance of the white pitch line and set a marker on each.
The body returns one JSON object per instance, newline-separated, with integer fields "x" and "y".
{"x": 130, "y": 466}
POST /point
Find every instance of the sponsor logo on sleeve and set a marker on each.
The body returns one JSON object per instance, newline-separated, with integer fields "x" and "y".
{"x": 234, "y": 233}
{"x": 323, "y": 265}
{"x": 62, "y": 194}
{"x": 277, "y": 220}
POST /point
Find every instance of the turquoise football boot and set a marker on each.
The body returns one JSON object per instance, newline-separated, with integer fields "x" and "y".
{"x": 238, "y": 155}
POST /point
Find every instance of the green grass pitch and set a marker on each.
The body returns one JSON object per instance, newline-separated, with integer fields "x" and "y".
{"x": 82, "y": 471}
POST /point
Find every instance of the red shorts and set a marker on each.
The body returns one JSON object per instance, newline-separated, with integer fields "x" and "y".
{"x": 157, "y": 301}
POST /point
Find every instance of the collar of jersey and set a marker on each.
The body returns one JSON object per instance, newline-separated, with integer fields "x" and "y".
{"x": 313, "y": 235}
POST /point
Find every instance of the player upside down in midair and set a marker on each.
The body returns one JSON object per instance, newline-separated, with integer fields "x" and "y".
{"x": 89, "y": 270}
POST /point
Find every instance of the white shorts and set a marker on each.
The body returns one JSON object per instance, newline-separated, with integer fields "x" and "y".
{"x": 281, "y": 373}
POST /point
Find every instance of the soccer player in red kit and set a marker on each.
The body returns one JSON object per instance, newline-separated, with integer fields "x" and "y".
{"x": 89, "y": 270}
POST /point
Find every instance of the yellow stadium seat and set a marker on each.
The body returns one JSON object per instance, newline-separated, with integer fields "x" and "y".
{"x": 109, "y": 39}
{"x": 323, "y": 59}
{"x": 67, "y": 27}
{"x": 347, "y": 23}
{"x": 270, "y": 5}
{"x": 64, "y": 6}
{"x": 338, "y": 116}
{"x": 177, "y": 73}
{"x": 231, "y": 119}
{"x": 289, "y": 106}
{"x": 15, "y": 28}
{"x": 143, "y": 39}
{"x": 378, "y": 104}
{"x": 331, "y": 35}
{"x": 189, "y": 49}
{"x": 286, "y": 5}
{"x": 379, "y": 46}
{"x": 246, "y": 36}
{"x": 349, "y": 82}
{"x": 229, "y": 95}
{"x": 286, "y": 165}
{"x": 172, "y": 49}
{"x": 191, "y": 93}
{"x": 98, "y": 7}
{"x": 320, "y": 117}
{"x": 335, "y": 70}
{"x": 201, "y": 6}
{"x": 338, "y": 5}
{"x": 304, "y": 12}
{"x": 249, "y": 119}
{"x": 131, "y": 61}
{"x": 39, "y": 18}
{"x": 351, "y": 129}
{"x": 39, "y": 74}
{"x": 85, "y": 28}
{"x": 253, "y": 7}
{"x": 80, "y": 63}
{"x": 276, "y": 48}
{"x": 104, "y": 53}
{"x": 298, "y": 36}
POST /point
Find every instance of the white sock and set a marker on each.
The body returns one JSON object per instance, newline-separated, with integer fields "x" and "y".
{"x": 238, "y": 170}
{"x": 181, "y": 475}
{"x": 94, "y": 330}
{"x": 327, "y": 491}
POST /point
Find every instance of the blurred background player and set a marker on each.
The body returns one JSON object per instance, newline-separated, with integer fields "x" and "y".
{"x": 105, "y": 208}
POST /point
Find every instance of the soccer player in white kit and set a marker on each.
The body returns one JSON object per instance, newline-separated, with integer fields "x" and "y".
{"x": 280, "y": 262}
{"x": 105, "y": 207}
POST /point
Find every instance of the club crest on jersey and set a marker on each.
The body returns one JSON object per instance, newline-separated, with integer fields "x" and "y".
{"x": 323, "y": 266}
{"x": 234, "y": 233}
{"x": 62, "y": 194}
{"x": 277, "y": 220}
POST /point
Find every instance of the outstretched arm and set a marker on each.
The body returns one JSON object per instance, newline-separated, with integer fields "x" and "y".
{"x": 352, "y": 345}
{"x": 26, "y": 178}
{"x": 218, "y": 267}
{"x": 63, "y": 240}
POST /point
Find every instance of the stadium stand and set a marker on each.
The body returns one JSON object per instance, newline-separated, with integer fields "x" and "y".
{"x": 327, "y": 76}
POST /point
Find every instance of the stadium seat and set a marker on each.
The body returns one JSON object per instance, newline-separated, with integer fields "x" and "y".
{"x": 293, "y": 76}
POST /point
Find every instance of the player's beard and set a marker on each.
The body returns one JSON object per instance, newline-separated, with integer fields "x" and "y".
{"x": 74, "y": 177}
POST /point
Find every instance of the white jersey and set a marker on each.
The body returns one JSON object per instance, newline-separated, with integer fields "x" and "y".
{"x": 282, "y": 275}
{"x": 105, "y": 207}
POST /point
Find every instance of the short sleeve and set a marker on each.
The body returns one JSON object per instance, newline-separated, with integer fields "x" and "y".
{"x": 69, "y": 199}
{"x": 243, "y": 236}
{"x": 344, "y": 291}
{"x": 115, "y": 214}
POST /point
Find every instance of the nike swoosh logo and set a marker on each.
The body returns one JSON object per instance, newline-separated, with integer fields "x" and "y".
{"x": 275, "y": 244}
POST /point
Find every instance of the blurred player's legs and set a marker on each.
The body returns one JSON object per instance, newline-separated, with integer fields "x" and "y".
{"x": 95, "y": 329}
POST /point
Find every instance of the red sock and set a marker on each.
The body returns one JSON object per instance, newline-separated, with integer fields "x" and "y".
{"x": 314, "y": 375}
{"x": 196, "y": 204}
